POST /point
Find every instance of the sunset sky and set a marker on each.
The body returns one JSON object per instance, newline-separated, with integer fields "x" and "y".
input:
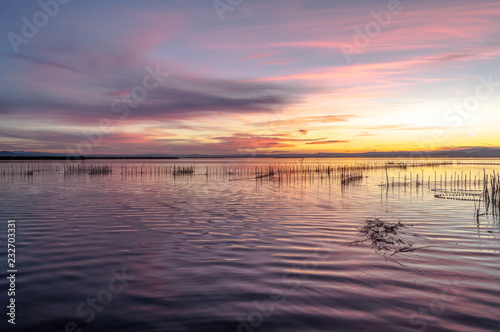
{"x": 231, "y": 76}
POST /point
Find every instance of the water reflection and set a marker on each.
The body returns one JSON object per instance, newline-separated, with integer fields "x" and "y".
{"x": 267, "y": 254}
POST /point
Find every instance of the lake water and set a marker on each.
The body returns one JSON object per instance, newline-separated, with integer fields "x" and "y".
{"x": 225, "y": 252}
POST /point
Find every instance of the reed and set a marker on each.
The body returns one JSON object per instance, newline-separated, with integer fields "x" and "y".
{"x": 491, "y": 193}
{"x": 91, "y": 169}
{"x": 389, "y": 239}
{"x": 183, "y": 170}
{"x": 100, "y": 170}
{"x": 348, "y": 176}
{"x": 282, "y": 172}
{"x": 146, "y": 170}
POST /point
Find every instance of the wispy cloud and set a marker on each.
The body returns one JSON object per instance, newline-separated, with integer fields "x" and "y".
{"x": 308, "y": 120}
{"x": 327, "y": 142}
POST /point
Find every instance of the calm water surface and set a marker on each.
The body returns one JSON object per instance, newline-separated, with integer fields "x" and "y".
{"x": 198, "y": 253}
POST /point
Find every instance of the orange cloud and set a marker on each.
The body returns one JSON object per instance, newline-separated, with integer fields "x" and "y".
{"x": 328, "y": 142}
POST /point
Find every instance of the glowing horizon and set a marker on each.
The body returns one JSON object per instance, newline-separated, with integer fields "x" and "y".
{"x": 187, "y": 77}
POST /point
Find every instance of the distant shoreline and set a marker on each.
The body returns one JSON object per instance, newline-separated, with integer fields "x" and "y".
{"x": 470, "y": 153}
{"x": 75, "y": 158}
{"x": 83, "y": 158}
